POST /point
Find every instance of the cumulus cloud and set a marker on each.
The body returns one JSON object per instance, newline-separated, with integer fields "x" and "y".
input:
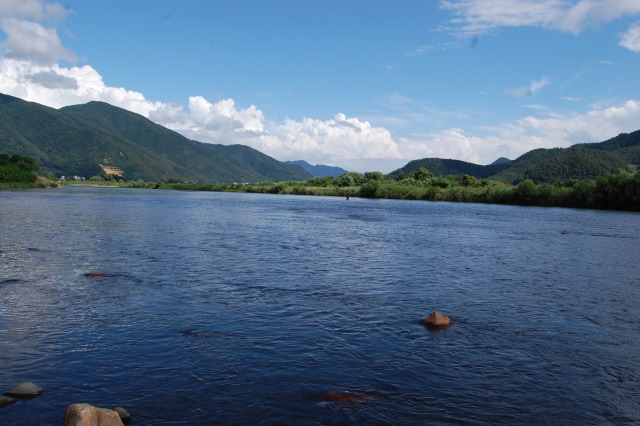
{"x": 57, "y": 86}
{"x": 514, "y": 139}
{"x": 336, "y": 140}
{"x": 631, "y": 38}
{"x": 220, "y": 122}
{"x": 51, "y": 80}
{"x": 340, "y": 141}
{"x": 23, "y": 21}
{"x": 30, "y": 40}
{"x": 481, "y": 16}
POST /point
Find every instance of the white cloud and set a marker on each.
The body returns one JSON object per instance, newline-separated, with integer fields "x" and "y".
{"x": 514, "y": 139}
{"x": 57, "y": 86}
{"x": 481, "y": 16}
{"x": 219, "y": 122}
{"x": 51, "y": 80}
{"x": 32, "y": 9}
{"x": 27, "y": 37}
{"x": 631, "y": 38}
{"x": 30, "y": 40}
{"x": 341, "y": 140}
{"x": 594, "y": 126}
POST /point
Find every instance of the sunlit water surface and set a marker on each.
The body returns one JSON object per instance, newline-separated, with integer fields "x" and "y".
{"x": 247, "y": 309}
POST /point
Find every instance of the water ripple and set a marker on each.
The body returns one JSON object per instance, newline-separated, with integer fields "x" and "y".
{"x": 246, "y": 309}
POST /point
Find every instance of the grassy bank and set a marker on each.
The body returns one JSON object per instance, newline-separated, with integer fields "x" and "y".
{"x": 18, "y": 172}
{"x": 614, "y": 192}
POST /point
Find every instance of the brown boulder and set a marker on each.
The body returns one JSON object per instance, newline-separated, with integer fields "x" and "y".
{"x": 437, "y": 320}
{"x": 88, "y": 415}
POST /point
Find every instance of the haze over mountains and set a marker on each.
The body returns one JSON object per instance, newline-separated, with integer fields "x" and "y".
{"x": 96, "y": 137}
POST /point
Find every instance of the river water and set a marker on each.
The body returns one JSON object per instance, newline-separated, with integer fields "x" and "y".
{"x": 224, "y": 308}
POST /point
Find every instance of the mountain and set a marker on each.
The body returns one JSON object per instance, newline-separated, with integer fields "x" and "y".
{"x": 88, "y": 139}
{"x": 582, "y": 161}
{"x": 500, "y": 161}
{"x": 319, "y": 170}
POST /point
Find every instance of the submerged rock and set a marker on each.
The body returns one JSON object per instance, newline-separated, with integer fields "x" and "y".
{"x": 25, "y": 391}
{"x": 347, "y": 397}
{"x": 5, "y": 400}
{"x": 437, "y": 320}
{"x": 88, "y": 415}
{"x": 124, "y": 414}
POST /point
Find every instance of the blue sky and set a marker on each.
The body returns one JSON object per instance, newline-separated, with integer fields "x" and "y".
{"x": 365, "y": 85}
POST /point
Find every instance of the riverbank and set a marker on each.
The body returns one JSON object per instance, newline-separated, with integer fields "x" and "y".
{"x": 39, "y": 183}
{"x": 610, "y": 192}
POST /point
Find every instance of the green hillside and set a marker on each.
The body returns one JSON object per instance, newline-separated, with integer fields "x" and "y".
{"x": 77, "y": 140}
{"x": 583, "y": 162}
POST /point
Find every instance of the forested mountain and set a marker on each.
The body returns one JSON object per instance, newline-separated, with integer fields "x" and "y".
{"x": 319, "y": 170}
{"x": 583, "y": 161}
{"x": 81, "y": 139}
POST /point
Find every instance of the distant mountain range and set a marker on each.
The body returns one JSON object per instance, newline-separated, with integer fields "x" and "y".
{"x": 319, "y": 170}
{"x": 583, "y": 162}
{"x": 94, "y": 138}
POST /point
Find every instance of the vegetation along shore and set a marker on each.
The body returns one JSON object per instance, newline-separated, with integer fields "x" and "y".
{"x": 619, "y": 191}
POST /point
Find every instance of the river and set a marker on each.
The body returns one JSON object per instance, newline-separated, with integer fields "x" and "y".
{"x": 226, "y": 308}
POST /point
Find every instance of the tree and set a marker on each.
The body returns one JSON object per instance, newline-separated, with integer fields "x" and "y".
{"x": 368, "y": 176}
{"x": 421, "y": 174}
{"x": 467, "y": 180}
{"x": 349, "y": 179}
{"x": 17, "y": 168}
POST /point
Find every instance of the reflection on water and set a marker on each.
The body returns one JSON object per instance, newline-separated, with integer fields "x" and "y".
{"x": 201, "y": 308}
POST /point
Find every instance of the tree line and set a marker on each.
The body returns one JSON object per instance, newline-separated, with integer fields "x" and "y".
{"x": 619, "y": 191}
{"x": 17, "y": 169}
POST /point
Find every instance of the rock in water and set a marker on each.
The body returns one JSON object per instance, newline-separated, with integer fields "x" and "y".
{"x": 124, "y": 414}
{"x": 25, "y": 390}
{"x": 5, "y": 400}
{"x": 437, "y": 320}
{"x": 88, "y": 415}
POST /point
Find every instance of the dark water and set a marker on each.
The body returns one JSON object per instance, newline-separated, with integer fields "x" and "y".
{"x": 246, "y": 309}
